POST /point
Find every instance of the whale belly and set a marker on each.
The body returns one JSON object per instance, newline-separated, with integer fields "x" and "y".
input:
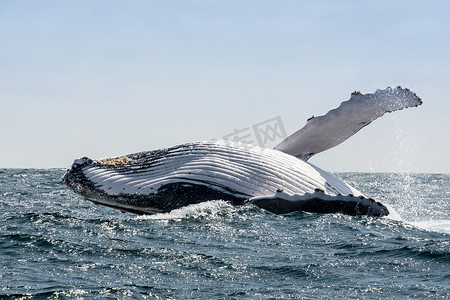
{"x": 163, "y": 180}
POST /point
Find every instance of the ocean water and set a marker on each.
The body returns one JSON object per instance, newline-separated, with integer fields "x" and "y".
{"x": 54, "y": 244}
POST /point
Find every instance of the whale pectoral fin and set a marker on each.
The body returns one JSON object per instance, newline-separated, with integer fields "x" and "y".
{"x": 324, "y": 132}
{"x": 319, "y": 202}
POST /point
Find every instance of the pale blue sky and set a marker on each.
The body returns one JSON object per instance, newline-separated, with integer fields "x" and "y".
{"x": 106, "y": 78}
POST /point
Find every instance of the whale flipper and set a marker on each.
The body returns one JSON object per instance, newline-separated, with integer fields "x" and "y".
{"x": 319, "y": 202}
{"x": 324, "y": 132}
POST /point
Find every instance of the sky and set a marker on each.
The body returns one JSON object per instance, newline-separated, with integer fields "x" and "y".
{"x": 108, "y": 78}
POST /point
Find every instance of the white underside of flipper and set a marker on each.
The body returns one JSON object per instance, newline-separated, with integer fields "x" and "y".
{"x": 324, "y": 132}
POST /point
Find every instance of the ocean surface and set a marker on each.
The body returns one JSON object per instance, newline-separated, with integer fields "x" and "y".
{"x": 54, "y": 244}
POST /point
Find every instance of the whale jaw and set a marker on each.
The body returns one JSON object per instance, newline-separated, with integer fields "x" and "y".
{"x": 167, "y": 197}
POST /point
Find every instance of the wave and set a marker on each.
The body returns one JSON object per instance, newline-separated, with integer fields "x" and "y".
{"x": 441, "y": 226}
{"x": 207, "y": 209}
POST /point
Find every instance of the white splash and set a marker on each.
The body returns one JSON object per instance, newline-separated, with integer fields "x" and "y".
{"x": 442, "y": 226}
{"x": 203, "y": 209}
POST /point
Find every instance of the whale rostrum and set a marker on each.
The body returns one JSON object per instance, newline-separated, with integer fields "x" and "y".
{"x": 279, "y": 180}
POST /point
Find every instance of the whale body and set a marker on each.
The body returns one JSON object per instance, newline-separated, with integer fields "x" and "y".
{"x": 279, "y": 180}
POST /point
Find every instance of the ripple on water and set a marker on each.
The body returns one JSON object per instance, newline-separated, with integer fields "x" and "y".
{"x": 53, "y": 244}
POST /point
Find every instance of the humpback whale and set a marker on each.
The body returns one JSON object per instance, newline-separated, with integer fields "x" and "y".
{"x": 280, "y": 180}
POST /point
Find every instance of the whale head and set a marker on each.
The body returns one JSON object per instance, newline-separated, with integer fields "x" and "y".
{"x": 75, "y": 178}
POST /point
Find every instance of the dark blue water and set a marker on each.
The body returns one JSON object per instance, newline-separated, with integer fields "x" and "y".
{"x": 54, "y": 244}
